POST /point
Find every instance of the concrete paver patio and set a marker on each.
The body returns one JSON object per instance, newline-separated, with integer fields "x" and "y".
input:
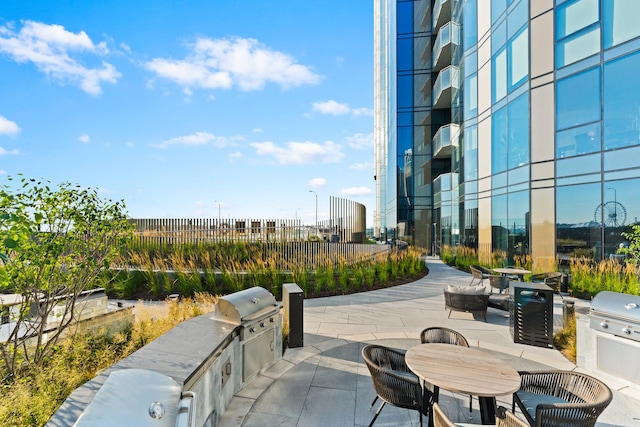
{"x": 326, "y": 383}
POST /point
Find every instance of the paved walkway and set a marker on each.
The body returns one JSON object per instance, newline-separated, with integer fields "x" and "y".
{"x": 326, "y": 383}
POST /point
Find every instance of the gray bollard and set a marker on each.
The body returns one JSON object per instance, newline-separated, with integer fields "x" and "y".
{"x": 292, "y": 298}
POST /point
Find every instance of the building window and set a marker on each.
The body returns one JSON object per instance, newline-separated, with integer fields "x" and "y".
{"x": 469, "y": 24}
{"x": 577, "y": 31}
{"x": 518, "y": 126}
{"x": 622, "y": 102}
{"x": 240, "y": 227}
{"x": 578, "y": 99}
{"x": 620, "y": 21}
{"x": 499, "y": 141}
{"x": 578, "y": 235}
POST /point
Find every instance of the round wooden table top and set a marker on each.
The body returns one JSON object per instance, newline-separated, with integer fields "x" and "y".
{"x": 462, "y": 370}
{"x": 511, "y": 270}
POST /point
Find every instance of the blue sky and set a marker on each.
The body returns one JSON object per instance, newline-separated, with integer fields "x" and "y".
{"x": 181, "y": 108}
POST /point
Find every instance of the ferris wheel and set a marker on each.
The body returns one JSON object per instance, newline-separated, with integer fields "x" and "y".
{"x": 613, "y": 214}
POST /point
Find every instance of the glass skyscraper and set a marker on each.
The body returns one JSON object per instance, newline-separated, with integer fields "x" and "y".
{"x": 508, "y": 125}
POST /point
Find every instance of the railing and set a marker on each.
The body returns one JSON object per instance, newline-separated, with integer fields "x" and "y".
{"x": 446, "y": 136}
{"x": 449, "y": 33}
{"x": 447, "y": 78}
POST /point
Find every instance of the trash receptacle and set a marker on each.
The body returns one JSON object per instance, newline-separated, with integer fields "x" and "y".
{"x": 292, "y": 302}
{"x": 531, "y": 314}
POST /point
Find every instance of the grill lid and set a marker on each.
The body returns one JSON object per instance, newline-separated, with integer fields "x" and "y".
{"x": 617, "y": 305}
{"x": 245, "y": 305}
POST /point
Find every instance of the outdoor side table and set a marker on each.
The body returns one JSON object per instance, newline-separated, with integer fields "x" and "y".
{"x": 531, "y": 314}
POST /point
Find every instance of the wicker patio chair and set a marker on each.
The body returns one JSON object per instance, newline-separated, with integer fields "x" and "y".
{"x": 499, "y": 282}
{"x": 552, "y": 279}
{"x": 504, "y": 418}
{"x": 561, "y": 398}
{"x": 392, "y": 380}
{"x": 437, "y": 334}
{"x": 466, "y": 302}
{"x": 478, "y": 273}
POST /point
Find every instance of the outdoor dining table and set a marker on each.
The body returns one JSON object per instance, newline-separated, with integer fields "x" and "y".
{"x": 511, "y": 271}
{"x": 464, "y": 370}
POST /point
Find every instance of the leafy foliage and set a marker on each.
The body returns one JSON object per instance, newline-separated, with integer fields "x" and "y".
{"x": 55, "y": 242}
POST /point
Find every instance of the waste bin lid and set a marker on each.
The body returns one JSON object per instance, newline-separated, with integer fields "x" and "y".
{"x": 133, "y": 397}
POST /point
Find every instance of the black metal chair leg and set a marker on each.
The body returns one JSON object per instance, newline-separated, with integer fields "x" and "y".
{"x": 377, "y": 413}
{"x": 374, "y": 402}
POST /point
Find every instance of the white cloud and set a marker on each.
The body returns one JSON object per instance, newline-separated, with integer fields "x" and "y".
{"x": 84, "y": 138}
{"x": 234, "y": 62}
{"x": 130, "y": 144}
{"x": 125, "y": 47}
{"x": 361, "y": 166}
{"x": 301, "y": 152}
{"x": 258, "y": 130}
{"x": 356, "y": 191}
{"x": 199, "y": 138}
{"x": 317, "y": 183}
{"x": 103, "y": 190}
{"x": 331, "y": 107}
{"x": 51, "y": 49}
{"x": 360, "y": 141}
{"x": 8, "y": 152}
{"x": 337, "y": 109}
{"x": 7, "y": 127}
{"x": 236, "y": 155}
{"x": 3, "y": 172}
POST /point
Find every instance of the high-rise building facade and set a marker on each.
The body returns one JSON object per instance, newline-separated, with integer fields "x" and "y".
{"x": 508, "y": 125}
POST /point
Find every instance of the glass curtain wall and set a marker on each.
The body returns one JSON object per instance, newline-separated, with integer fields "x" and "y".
{"x": 597, "y": 126}
{"x": 413, "y": 152}
{"x": 510, "y": 129}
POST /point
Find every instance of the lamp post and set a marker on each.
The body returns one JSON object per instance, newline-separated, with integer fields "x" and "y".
{"x": 311, "y": 191}
{"x": 218, "y": 212}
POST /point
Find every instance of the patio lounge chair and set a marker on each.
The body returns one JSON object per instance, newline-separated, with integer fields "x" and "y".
{"x": 479, "y": 273}
{"x": 551, "y": 279}
{"x": 460, "y": 300}
{"x": 393, "y": 381}
{"x": 561, "y": 398}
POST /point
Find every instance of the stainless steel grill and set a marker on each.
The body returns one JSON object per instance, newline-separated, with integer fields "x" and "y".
{"x": 614, "y": 325}
{"x": 617, "y": 314}
{"x": 257, "y": 313}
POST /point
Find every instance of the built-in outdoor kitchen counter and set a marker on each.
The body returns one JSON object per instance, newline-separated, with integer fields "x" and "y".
{"x": 204, "y": 355}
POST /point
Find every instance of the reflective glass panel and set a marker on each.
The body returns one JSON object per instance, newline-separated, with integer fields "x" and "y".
{"x": 578, "y": 165}
{"x": 518, "y": 230}
{"x": 470, "y": 146}
{"x": 469, "y": 23}
{"x": 519, "y": 59}
{"x": 470, "y": 96}
{"x": 518, "y": 123}
{"x": 497, "y": 8}
{"x": 577, "y": 233}
{"x": 499, "y": 76}
{"x": 574, "y": 16}
{"x": 576, "y": 48}
{"x": 620, "y": 21}
{"x": 404, "y": 17}
{"x": 622, "y": 159}
{"x": 578, "y": 99}
{"x": 405, "y": 54}
{"x": 499, "y": 141}
{"x": 621, "y": 208}
{"x": 622, "y": 102}
{"x": 405, "y": 91}
{"x": 580, "y": 140}
{"x": 517, "y": 18}
{"x": 499, "y": 223}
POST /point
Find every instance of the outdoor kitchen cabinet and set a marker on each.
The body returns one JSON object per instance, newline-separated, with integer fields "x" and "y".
{"x": 531, "y": 314}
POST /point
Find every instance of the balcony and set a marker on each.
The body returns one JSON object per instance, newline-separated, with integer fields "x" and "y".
{"x": 446, "y": 87}
{"x": 448, "y": 37}
{"x": 445, "y": 140}
{"x": 441, "y": 13}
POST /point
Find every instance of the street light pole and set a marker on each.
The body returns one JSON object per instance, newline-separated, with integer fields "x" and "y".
{"x": 311, "y": 191}
{"x": 215, "y": 201}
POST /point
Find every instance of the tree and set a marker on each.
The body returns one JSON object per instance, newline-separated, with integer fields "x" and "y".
{"x": 633, "y": 250}
{"x": 54, "y": 244}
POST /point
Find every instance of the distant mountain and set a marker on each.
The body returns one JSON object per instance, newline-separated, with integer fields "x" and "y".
{"x": 588, "y": 224}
